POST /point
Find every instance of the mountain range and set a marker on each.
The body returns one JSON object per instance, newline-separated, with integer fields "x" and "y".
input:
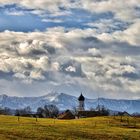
{"x": 64, "y": 101}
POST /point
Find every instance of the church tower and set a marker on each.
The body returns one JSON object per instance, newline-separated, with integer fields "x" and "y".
{"x": 81, "y": 103}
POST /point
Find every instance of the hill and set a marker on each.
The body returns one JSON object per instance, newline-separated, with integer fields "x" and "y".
{"x": 65, "y": 101}
{"x": 98, "y": 128}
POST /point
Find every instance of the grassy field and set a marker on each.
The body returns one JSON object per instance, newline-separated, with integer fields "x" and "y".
{"x": 97, "y": 128}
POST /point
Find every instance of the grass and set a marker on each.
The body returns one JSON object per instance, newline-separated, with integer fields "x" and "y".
{"x": 97, "y": 128}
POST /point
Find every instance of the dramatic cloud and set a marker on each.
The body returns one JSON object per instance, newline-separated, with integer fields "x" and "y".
{"x": 41, "y": 7}
{"x": 130, "y": 35}
{"x": 72, "y": 54}
{"x": 124, "y": 10}
{"x": 70, "y": 46}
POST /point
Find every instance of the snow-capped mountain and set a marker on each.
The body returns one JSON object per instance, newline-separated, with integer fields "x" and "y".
{"x": 64, "y": 101}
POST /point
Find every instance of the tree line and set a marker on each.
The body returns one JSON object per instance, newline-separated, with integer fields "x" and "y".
{"x": 52, "y": 111}
{"x": 48, "y": 111}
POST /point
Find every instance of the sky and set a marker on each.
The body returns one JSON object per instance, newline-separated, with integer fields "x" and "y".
{"x": 70, "y": 46}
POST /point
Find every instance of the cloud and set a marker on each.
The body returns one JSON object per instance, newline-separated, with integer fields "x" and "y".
{"x": 94, "y": 52}
{"x": 71, "y": 69}
{"x": 14, "y": 13}
{"x": 108, "y": 25}
{"x": 124, "y": 10}
{"x": 71, "y": 57}
{"x": 129, "y": 35}
{"x": 96, "y": 48}
{"x": 55, "y": 7}
{"x": 52, "y": 20}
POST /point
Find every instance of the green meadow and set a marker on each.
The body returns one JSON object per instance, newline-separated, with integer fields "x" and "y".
{"x": 96, "y": 128}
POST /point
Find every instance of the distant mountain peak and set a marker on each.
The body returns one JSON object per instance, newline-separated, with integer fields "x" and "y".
{"x": 64, "y": 101}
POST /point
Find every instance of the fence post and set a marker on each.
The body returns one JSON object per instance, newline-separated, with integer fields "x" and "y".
{"x": 36, "y": 118}
{"x": 121, "y": 119}
{"x": 18, "y": 118}
{"x": 95, "y": 124}
{"x": 128, "y": 121}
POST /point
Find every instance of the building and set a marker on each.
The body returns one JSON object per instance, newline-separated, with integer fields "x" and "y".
{"x": 82, "y": 113}
{"x": 124, "y": 114}
{"x": 85, "y": 114}
{"x": 81, "y": 103}
{"x": 67, "y": 115}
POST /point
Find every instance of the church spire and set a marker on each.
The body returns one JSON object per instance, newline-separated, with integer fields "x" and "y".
{"x": 81, "y": 102}
{"x": 81, "y": 97}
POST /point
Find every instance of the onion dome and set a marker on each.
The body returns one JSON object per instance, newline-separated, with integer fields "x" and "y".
{"x": 81, "y": 98}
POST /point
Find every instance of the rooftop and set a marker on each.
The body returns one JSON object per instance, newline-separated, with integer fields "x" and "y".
{"x": 81, "y": 97}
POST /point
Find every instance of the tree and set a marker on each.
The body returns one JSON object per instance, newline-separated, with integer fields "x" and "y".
{"x": 75, "y": 110}
{"x": 5, "y": 111}
{"x": 23, "y": 112}
{"x": 49, "y": 111}
{"x": 42, "y": 112}
{"x": 104, "y": 111}
{"x": 92, "y": 109}
{"x": 17, "y": 112}
{"x": 27, "y": 110}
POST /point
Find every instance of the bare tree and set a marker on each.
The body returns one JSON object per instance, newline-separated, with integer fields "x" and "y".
{"x": 23, "y": 112}
{"x": 52, "y": 110}
{"x": 49, "y": 111}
